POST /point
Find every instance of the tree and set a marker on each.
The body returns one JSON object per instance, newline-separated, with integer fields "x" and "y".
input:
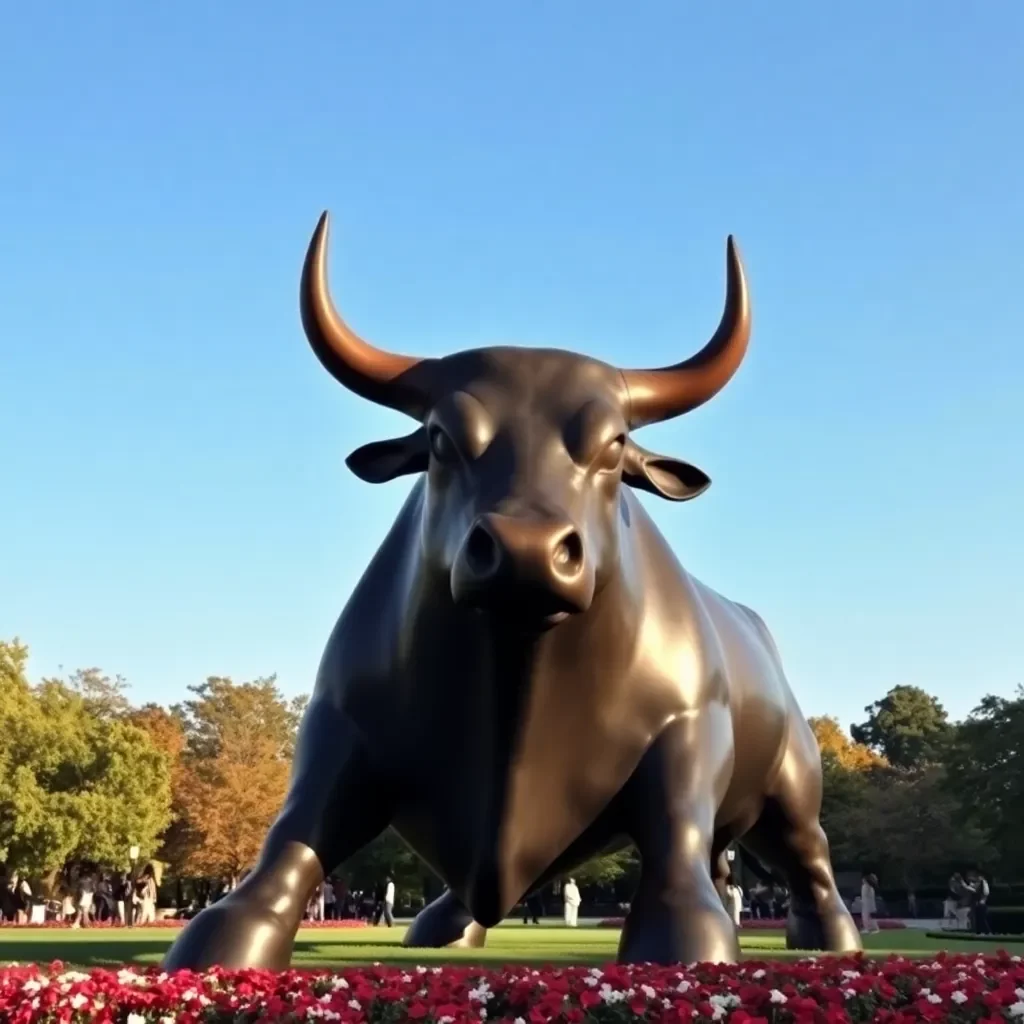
{"x": 73, "y": 786}
{"x": 832, "y": 741}
{"x": 986, "y": 772}
{"x": 239, "y": 742}
{"x": 907, "y": 726}
{"x": 912, "y": 827}
{"x": 103, "y": 696}
{"x": 609, "y": 868}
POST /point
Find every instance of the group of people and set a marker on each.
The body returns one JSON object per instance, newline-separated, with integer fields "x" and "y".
{"x": 333, "y": 901}
{"x": 83, "y": 896}
{"x": 966, "y": 904}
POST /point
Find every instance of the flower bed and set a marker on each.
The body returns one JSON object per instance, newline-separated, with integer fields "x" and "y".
{"x": 173, "y": 922}
{"x": 830, "y": 990}
{"x": 750, "y": 924}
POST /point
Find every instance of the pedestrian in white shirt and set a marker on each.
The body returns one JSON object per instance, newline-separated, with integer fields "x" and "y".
{"x": 571, "y": 899}
{"x": 389, "y": 902}
{"x": 734, "y": 900}
{"x": 868, "y": 904}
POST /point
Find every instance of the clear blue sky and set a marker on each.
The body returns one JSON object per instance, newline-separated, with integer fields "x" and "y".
{"x": 175, "y": 500}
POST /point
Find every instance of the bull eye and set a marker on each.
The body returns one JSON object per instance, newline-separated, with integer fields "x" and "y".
{"x": 442, "y": 447}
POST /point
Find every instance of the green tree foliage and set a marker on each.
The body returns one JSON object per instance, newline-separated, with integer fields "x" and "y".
{"x": 912, "y": 829}
{"x": 986, "y": 772}
{"x": 908, "y": 727}
{"x": 72, "y": 785}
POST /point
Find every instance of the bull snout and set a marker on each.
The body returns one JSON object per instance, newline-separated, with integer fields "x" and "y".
{"x": 535, "y": 568}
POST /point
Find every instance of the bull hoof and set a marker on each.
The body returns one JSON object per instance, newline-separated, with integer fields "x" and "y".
{"x": 446, "y": 922}
{"x": 232, "y": 934}
{"x": 834, "y": 932}
{"x": 663, "y": 934}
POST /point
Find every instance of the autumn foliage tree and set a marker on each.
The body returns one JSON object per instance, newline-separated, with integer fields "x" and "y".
{"x": 234, "y": 768}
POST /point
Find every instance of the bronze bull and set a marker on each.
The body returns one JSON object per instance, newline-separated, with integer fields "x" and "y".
{"x": 523, "y": 587}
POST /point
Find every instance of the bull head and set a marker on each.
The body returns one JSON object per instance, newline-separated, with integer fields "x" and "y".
{"x": 537, "y": 514}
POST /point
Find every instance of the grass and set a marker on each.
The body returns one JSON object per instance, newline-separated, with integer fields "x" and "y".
{"x": 510, "y": 943}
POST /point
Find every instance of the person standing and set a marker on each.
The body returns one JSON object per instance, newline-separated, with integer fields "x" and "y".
{"x": 328, "y": 897}
{"x": 389, "y": 901}
{"x": 868, "y": 904}
{"x": 734, "y": 900}
{"x": 980, "y": 888}
{"x": 571, "y": 899}
{"x": 86, "y": 894}
{"x": 147, "y": 896}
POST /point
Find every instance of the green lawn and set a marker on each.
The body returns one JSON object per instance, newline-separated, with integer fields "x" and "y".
{"x": 510, "y": 943}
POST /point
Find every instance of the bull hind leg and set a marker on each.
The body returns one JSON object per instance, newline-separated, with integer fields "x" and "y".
{"x": 788, "y": 837}
{"x": 445, "y": 922}
{"x": 335, "y": 805}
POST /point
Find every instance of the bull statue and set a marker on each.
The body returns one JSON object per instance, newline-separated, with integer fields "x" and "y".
{"x": 523, "y": 586}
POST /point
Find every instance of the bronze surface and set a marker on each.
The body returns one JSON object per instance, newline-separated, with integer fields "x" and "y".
{"x": 526, "y": 676}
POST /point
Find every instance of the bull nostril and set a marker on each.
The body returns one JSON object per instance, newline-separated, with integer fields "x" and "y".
{"x": 569, "y": 553}
{"x": 481, "y": 552}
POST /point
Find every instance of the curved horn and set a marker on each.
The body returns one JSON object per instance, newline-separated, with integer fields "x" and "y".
{"x": 370, "y": 372}
{"x": 656, "y": 395}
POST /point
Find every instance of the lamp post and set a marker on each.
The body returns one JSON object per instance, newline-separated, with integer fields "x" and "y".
{"x": 129, "y": 896}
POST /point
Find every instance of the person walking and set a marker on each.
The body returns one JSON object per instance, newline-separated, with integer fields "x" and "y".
{"x": 389, "y": 901}
{"x": 868, "y": 904}
{"x": 571, "y": 900}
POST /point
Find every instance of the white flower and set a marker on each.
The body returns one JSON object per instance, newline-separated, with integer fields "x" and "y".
{"x": 850, "y": 975}
{"x": 78, "y": 1001}
{"x": 717, "y": 1012}
{"x": 684, "y": 986}
{"x": 591, "y": 981}
{"x": 341, "y": 983}
{"x": 777, "y": 996}
{"x": 1017, "y": 1009}
{"x": 354, "y": 1004}
{"x": 596, "y": 972}
{"x": 667, "y": 1003}
{"x": 758, "y": 974}
{"x": 446, "y": 1020}
{"x": 31, "y": 987}
{"x": 167, "y": 1020}
{"x": 850, "y": 993}
{"x": 519, "y": 1020}
{"x": 959, "y": 997}
{"x": 136, "y": 1018}
{"x": 648, "y": 991}
{"x": 934, "y": 999}
{"x": 72, "y": 976}
{"x": 482, "y": 993}
{"x": 1019, "y": 993}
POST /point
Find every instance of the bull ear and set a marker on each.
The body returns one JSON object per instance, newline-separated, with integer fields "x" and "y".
{"x": 381, "y": 461}
{"x": 658, "y": 474}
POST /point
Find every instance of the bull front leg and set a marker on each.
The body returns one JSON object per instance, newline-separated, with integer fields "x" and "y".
{"x": 337, "y": 802}
{"x": 677, "y": 915}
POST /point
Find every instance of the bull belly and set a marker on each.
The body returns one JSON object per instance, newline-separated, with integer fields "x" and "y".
{"x": 490, "y": 869}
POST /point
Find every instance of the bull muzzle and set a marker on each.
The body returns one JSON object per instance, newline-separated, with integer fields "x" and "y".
{"x": 531, "y": 569}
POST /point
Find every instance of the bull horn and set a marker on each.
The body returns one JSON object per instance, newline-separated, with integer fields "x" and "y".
{"x": 382, "y": 377}
{"x": 656, "y": 395}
